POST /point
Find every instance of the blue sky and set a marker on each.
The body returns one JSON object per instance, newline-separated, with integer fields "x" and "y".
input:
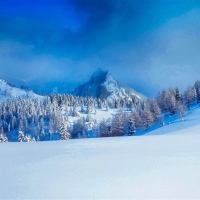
{"x": 146, "y": 44}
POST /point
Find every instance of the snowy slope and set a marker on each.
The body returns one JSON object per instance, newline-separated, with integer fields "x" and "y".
{"x": 103, "y": 85}
{"x": 99, "y": 116}
{"x": 163, "y": 164}
{"x": 8, "y": 92}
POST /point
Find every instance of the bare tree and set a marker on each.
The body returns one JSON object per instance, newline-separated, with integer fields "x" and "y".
{"x": 180, "y": 109}
{"x": 190, "y": 96}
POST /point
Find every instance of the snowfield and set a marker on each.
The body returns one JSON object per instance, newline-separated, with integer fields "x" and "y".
{"x": 161, "y": 164}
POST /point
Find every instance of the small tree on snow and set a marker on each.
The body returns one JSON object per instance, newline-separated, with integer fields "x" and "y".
{"x": 64, "y": 135}
{"x": 27, "y": 138}
{"x": 21, "y": 136}
{"x": 162, "y": 122}
{"x": 3, "y": 138}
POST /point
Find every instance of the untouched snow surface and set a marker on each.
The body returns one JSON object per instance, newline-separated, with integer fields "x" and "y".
{"x": 162, "y": 164}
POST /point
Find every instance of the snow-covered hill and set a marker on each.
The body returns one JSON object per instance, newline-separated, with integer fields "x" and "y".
{"x": 8, "y": 92}
{"x": 103, "y": 85}
{"x": 162, "y": 164}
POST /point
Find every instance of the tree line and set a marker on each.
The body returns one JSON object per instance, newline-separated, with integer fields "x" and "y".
{"x": 47, "y": 118}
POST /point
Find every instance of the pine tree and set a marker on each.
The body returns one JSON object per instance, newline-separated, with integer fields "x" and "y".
{"x": 27, "y": 138}
{"x": 64, "y": 134}
{"x": 5, "y": 138}
{"x": 75, "y": 111}
{"x": 1, "y": 137}
{"x": 21, "y": 136}
{"x": 51, "y": 128}
{"x": 178, "y": 95}
{"x": 82, "y": 107}
{"x": 131, "y": 127}
{"x": 89, "y": 118}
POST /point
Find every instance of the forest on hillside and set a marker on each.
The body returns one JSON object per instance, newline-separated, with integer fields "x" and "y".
{"x": 40, "y": 119}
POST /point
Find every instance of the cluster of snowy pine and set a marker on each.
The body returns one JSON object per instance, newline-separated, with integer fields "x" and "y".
{"x": 26, "y": 120}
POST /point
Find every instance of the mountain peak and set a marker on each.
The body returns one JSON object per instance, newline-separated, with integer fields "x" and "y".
{"x": 103, "y": 85}
{"x": 99, "y": 73}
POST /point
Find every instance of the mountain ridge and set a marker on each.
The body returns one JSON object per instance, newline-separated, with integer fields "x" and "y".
{"x": 10, "y": 91}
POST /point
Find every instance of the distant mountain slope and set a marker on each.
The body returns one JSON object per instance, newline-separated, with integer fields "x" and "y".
{"x": 103, "y": 85}
{"x": 10, "y": 92}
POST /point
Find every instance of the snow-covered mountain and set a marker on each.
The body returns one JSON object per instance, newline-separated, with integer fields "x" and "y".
{"x": 103, "y": 85}
{"x": 10, "y": 92}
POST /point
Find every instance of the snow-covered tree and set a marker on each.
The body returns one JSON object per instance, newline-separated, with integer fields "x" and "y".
{"x": 131, "y": 127}
{"x": 79, "y": 128}
{"x": 162, "y": 122}
{"x": 75, "y": 111}
{"x": 1, "y": 137}
{"x": 82, "y": 107}
{"x": 21, "y": 136}
{"x": 103, "y": 127}
{"x": 190, "y": 96}
{"x": 178, "y": 95}
{"x": 119, "y": 123}
{"x": 154, "y": 108}
{"x": 64, "y": 134}
{"x": 147, "y": 118}
{"x": 180, "y": 109}
{"x": 27, "y": 138}
{"x": 42, "y": 134}
{"x": 89, "y": 118}
{"x": 137, "y": 118}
